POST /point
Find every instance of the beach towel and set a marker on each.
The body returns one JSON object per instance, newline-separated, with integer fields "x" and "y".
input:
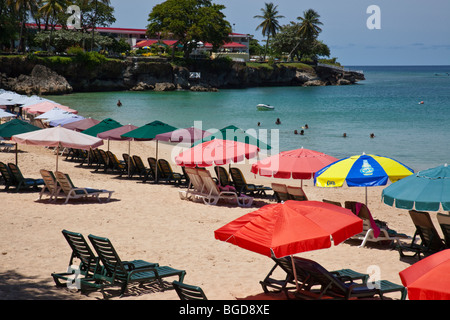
{"x": 373, "y": 224}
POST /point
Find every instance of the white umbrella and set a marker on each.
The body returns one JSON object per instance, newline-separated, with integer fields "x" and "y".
{"x": 55, "y": 113}
{"x": 5, "y": 114}
{"x": 58, "y": 137}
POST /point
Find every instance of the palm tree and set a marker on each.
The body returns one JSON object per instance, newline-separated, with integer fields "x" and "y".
{"x": 270, "y": 23}
{"x": 309, "y": 26}
{"x": 105, "y": 2}
{"x": 23, "y": 7}
{"x": 52, "y": 8}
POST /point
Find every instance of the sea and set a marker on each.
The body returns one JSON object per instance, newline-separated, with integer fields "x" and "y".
{"x": 406, "y": 108}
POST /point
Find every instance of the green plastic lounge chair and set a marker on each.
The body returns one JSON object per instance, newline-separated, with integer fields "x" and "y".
{"x": 8, "y": 178}
{"x": 116, "y": 273}
{"x": 296, "y": 193}
{"x": 168, "y": 175}
{"x": 444, "y": 222}
{"x": 21, "y": 182}
{"x": 73, "y": 192}
{"x": 188, "y": 292}
{"x": 116, "y": 165}
{"x": 243, "y": 187}
{"x": 143, "y": 172}
{"x": 426, "y": 233}
{"x": 223, "y": 177}
{"x": 51, "y": 186}
{"x": 280, "y": 192}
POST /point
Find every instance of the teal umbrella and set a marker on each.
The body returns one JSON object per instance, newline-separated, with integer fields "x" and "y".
{"x": 234, "y": 133}
{"x": 149, "y": 132}
{"x": 102, "y": 126}
{"x": 16, "y": 126}
{"x": 426, "y": 190}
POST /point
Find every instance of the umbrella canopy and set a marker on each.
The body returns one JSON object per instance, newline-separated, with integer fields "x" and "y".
{"x": 149, "y": 131}
{"x": 428, "y": 279}
{"x": 55, "y": 113}
{"x": 6, "y": 102}
{"x": 296, "y": 164}
{"x": 58, "y": 137}
{"x": 102, "y": 126}
{"x": 65, "y": 120}
{"x": 291, "y": 227}
{"x": 116, "y": 134}
{"x": 216, "y": 151}
{"x": 426, "y": 190}
{"x": 234, "y": 133}
{"x": 5, "y": 114}
{"x": 42, "y": 107}
{"x": 16, "y": 126}
{"x": 187, "y": 135}
{"x": 81, "y": 125}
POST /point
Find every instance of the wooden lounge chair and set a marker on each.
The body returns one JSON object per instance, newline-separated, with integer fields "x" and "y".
{"x": 371, "y": 227}
{"x": 51, "y": 186}
{"x": 280, "y": 192}
{"x": 296, "y": 193}
{"x": 188, "y": 292}
{"x": 115, "y": 164}
{"x": 117, "y": 273}
{"x": 196, "y": 189}
{"x": 243, "y": 187}
{"x": 168, "y": 175}
{"x": 73, "y": 192}
{"x": 21, "y": 182}
{"x": 143, "y": 172}
{"x": 102, "y": 160}
{"x": 129, "y": 163}
{"x": 155, "y": 169}
{"x": 8, "y": 178}
{"x": 213, "y": 194}
{"x": 426, "y": 233}
{"x": 444, "y": 222}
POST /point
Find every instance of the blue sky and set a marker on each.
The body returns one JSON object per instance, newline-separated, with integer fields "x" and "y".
{"x": 413, "y": 32}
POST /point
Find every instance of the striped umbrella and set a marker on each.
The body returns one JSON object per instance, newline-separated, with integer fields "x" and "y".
{"x": 364, "y": 170}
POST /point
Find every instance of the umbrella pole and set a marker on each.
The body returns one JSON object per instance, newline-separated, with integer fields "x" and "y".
{"x": 129, "y": 155}
{"x": 16, "y": 153}
{"x": 366, "y": 195}
{"x": 57, "y": 153}
{"x": 156, "y": 178}
{"x": 295, "y": 272}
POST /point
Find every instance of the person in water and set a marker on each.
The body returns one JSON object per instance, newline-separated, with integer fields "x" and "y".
{"x": 302, "y": 132}
{"x": 372, "y": 135}
{"x": 278, "y": 121}
{"x": 344, "y": 135}
{"x": 119, "y": 104}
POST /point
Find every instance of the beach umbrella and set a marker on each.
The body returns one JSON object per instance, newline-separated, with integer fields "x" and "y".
{"x": 5, "y": 114}
{"x": 44, "y": 106}
{"x": 55, "y": 113}
{"x": 6, "y": 102}
{"x": 104, "y": 125}
{"x": 292, "y": 227}
{"x": 65, "y": 120}
{"x": 186, "y": 135}
{"x": 216, "y": 152}
{"x": 364, "y": 170}
{"x": 81, "y": 125}
{"x": 16, "y": 126}
{"x": 426, "y": 190}
{"x": 428, "y": 278}
{"x": 116, "y": 133}
{"x": 58, "y": 137}
{"x": 296, "y": 164}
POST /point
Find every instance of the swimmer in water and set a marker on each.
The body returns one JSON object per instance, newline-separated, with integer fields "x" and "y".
{"x": 119, "y": 104}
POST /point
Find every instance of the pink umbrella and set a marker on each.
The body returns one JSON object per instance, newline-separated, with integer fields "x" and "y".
{"x": 115, "y": 134}
{"x": 216, "y": 151}
{"x": 187, "y": 135}
{"x": 45, "y": 106}
{"x": 58, "y": 137}
{"x": 81, "y": 125}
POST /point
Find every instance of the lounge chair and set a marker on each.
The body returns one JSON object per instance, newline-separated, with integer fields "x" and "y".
{"x": 73, "y": 192}
{"x": 143, "y": 172}
{"x": 115, "y": 164}
{"x": 168, "y": 175}
{"x": 20, "y": 181}
{"x": 129, "y": 163}
{"x": 196, "y": 189}
{"x": 155, "y": 169}
{"x": 51, "y": 186}
{"x": 188, "y": 292}
{"x": 296, "y": 193}
{"x": 213, "y": 194}
{"x": 373, "y": 230}
{"x": 332, "y": 287}
{"x": 444, "y": 222}
{"x": 336, "y": 203}
{"x": 91, "y": 158}
{"x": 8, "y": 178}
{"x": 102, "y": 160}
{"x": 426, "y": 233}
{"x": 280, "y": 192}
{"x": 243, "y": 187}
{"x": 223, "y": 177}
{"x": 117, "y": 273}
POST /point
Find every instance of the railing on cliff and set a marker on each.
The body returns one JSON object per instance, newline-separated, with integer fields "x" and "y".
{"x": 339, "y": 68}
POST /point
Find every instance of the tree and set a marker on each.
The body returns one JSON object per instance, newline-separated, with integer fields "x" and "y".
{"x": 9, "y": 28}
{"x": 309, "y": 27}
{"x": 189, "y": 22}
{"x": 270, "y": 24}
{"x": 50, "y": 9}
{"x": 95, "y": 16}
{"x": 23, "y": 7}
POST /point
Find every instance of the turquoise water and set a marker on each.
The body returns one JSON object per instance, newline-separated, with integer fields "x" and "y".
{"x": 386, "y": 104}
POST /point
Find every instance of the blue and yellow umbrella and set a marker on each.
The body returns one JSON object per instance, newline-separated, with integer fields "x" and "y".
{"x": 364, "y": 170}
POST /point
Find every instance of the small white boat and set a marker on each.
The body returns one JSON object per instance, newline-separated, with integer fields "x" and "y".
{"x": 264, "y": 107}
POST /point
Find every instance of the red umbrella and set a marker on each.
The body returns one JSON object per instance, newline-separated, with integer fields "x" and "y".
{"x": 216, "y": 151}
{"x": 428, "y": 279}
{"x": 291, "y": 227}
{"x": 296, "y": 164}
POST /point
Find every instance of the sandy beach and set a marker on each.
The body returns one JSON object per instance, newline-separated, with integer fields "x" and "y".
{"x": 150, "y": 222}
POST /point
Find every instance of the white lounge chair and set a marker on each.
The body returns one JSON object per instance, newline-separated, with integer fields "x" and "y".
{"x": 195, "y": 189}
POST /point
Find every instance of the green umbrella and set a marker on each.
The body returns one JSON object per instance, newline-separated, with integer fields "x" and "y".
{"x": 234, "y": 133}
{"x": 427, "y": 190}
{"x": 149, "y": 132}
{"x": 102, "y": 126}
{"x": 16, "y": 126}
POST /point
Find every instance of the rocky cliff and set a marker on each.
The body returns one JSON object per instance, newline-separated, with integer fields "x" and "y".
{"x": 41, "y": 76}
